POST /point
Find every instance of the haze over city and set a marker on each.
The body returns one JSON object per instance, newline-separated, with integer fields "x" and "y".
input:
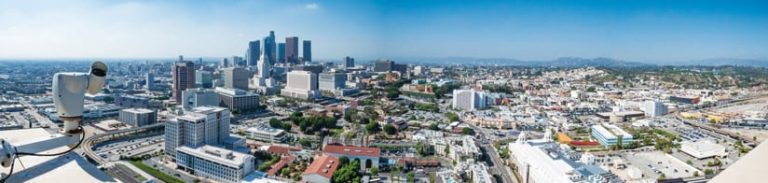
{"x": 642, "y": 31}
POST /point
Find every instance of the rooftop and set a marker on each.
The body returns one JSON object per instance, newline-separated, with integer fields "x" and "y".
{"x": 217, "y": 154}
{"x": 353, "y": 150}
{"x": 324, "y": 166}
{"x": 69, "y": 166}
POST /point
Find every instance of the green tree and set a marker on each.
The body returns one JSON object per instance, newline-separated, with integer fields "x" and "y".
{"x": 434, "y": 126}
{"x": 374, "y": 172}
{"x": 467, "y": 131}
{"x": 411, "y": 177}
{"x": 372, "y": 127}
{"x": 452, "y": 116}
{"x": 390, "y": 129}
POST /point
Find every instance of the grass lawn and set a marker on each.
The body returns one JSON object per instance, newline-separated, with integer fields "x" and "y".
{"x": 156, "y": 173}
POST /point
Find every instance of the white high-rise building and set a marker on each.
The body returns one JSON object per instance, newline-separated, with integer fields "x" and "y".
{"x": 198, "y": 127}
{"x": 469, "y": 99}
{"x": 301, "y": 84}
{"x": 654, "y": 108}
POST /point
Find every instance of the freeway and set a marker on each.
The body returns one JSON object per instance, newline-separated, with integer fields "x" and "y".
{"x": 88, "y": 144}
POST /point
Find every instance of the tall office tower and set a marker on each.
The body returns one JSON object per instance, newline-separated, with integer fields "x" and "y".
{"x": 183, "y": 74}
{"x": 281, "y": 53}
{"x": 181, "y": 58}
{"x": 199, "y": 61}
{"x": 254, "y": 50}
{"x": 204, "y": 79}
{"x": 383, "y": 66}
{"x": 654, "y": 108}
{"x": 307, "y": 50}
{"x": 237, "y": 61}
{"x": 270, "y": 48}
{"x": 198, "y": 127}
{"x": 292, "y": 50}
{"x": 264, "y": 67}
{"x": 236, "y": 77}
{"x": 224, "y": 63}
{"x": 150, "y": 81}
{"x": 469, "y": 99}
{"x": 349, "y": 62}
{"x": 300, "y": 84}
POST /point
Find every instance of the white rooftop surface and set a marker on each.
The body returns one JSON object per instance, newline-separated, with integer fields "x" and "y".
{"x": 265, "y": 130}
{"x": 600, "y": 129}
{"x": 207, "y": 152}
{"x": 50, "y": 168}
{"x": 138, "y": 110}
{"x": 543, "y": 165}
{"x": 703, "y": 149}
{"x": 748, "y": 169}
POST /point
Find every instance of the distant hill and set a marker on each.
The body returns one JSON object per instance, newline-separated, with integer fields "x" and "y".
{"x": 560, "y": 62}
{"x": 726, "y": 61}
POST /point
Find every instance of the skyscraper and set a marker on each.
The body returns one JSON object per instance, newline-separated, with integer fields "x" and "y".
{"x": 307, "y": 50}
{"x": 349, "y": 62}
{"x": 236, "y": 77}
{"x": 183, "y": 74}
{"x": 281, "y": 53}
{"x": 150, "y": 81}
{"x": 469, "y": 99}
{"x": 292, "y": 50}
{"x": 237, "y": 61}
{"x": 269, "y": 48}
{"x": 224, "y": 63}
{"x": 254, "y": 50}
{"x": 204, "y": 79}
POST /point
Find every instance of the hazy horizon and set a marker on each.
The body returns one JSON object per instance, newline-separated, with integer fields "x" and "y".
{"x": 637, "y": 31}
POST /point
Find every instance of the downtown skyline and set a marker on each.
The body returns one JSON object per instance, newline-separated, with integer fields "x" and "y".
{"x": 647, "y": 31}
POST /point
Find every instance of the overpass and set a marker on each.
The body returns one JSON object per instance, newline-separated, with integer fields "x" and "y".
{"x": 89, "y": 143}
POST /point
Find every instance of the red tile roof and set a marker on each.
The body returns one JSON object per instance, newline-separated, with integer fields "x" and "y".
{"x": 353, "y": 150}
{"x": 280, "y": 164}
{"x": 323, "y": 165}
{"x": 274, "y": 149}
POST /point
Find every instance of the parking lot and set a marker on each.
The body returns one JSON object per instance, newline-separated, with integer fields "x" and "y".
{"x": 140, "y": 146}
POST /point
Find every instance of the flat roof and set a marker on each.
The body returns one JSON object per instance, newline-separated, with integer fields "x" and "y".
{"x": 138, "y": 110}
{"x": 353, "y": 150}
{"x": 748, "y": 169}
{"x": 217, "y": 154}
{"x": 69, "y": 166}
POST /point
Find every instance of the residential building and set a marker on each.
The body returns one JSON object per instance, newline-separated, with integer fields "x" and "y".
{"x": 215, "y": 163}
{"x": 138, "y": 117}
{"x": 183, "y": 75}
{"x": 469, "y": 99}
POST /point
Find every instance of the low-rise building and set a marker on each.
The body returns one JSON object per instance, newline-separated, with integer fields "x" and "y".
{"x": 266, "y": 134}
{"x": 321, "y": 170}
{"x": 703, "y": 149}
{"x": 610, "y": 135}
{"x": 138, "y": 117}
{"x": 368, "y": 156}
{"x": 215, "y": 163}
{"x": 238, "y": 100}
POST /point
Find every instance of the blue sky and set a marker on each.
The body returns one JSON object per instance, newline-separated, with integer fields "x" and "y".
{"x": 650, "y": 31}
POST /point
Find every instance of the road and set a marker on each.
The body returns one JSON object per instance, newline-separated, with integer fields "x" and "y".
{"x": 497, "y": 165}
